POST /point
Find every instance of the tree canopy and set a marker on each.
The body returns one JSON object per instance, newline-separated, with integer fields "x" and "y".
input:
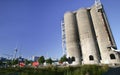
{"x": 63, "y": 58}
{"x": 49, "y": 61}
{"x": 41, "y": 60}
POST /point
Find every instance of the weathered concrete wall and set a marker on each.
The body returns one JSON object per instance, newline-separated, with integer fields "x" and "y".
{"x": 104, "y": 36}
{"x": 88, "y": 35}
{"x": 87, "y": 41}
{"x": 72, "y": 38}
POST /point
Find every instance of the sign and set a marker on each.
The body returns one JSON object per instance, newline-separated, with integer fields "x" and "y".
{"x": 35, "y": 64}
{"x": 21, "y": 64}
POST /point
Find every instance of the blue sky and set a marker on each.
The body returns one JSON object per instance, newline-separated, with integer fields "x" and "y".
{"x": 33, "y": 26}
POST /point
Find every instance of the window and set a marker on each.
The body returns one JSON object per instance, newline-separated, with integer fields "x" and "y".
{"x": 112, "y": 56}
{"x": 91, "y": 57}
{"x": 73, "y": 58}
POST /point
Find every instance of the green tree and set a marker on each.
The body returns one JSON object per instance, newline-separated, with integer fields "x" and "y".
{"x": 1, "y": 62}
{"x": 9, "y": 62}
{"x": 15, "y": 61}
{"x": 41, "y": 60}
{"x": 49, "y": 61}
{"x": 27, "y": 61}
{"x": 63, "y": 59}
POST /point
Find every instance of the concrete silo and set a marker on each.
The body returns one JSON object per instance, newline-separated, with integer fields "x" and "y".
{"x": 87, "y": 41}
{"x": 104, "y": 36}
{"x": 88, "y": 37}
{"x": 72, "y": 38}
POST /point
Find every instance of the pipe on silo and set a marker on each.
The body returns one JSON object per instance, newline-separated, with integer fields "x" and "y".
{"x": 72, "y": 38}
{"x": 88, "y": 43}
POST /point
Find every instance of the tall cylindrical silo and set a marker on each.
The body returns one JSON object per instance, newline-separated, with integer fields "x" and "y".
{"x": 72, "y": 38}
{"x": 104, "y": 36}
{"x": 87, "y": 41}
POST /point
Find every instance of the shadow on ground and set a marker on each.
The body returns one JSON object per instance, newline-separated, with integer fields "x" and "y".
{"x": 113, "y": 71}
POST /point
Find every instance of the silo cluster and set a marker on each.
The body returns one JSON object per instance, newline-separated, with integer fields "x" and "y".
{"x": 89, "y": 38}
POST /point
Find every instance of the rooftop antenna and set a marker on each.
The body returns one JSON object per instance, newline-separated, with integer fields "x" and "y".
{"x": 16, "y": 50}
{"x": 98, "y": 4}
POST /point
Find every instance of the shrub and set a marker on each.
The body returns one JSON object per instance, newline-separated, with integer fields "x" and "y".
{"x": 54, "y": 70}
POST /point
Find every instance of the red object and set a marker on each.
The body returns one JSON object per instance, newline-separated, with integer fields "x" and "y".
{"x": 21, "y": 64}
{"x": 35, "y": 64}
